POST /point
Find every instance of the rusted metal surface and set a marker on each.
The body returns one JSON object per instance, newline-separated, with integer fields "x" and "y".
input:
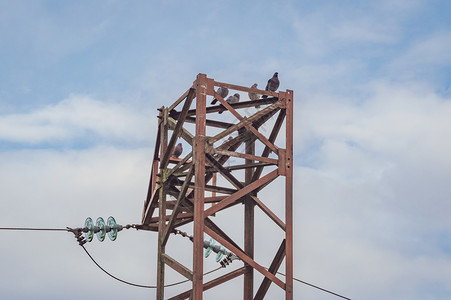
{"x": 177, "y": 266}
{"x": 162, "y": 208}
{"x": 177, "y": 207}
{"x": 244, "y": 122}
{"x": 241, "y": 193}
{"x": 288, "y": 96}
{"x": 239, "y": 105}
{"x": 177, "y": 129}
{"x": 224, "y": 172}
{"x": 247, "y": 166}
{"x": 245, "y": 89}
{"x": 212, "y": 283}
{"x": 148, "y": 204}
{"x": 249, "y": 222}
{"x": 269, "y": 213}
{"x": 218, "y": 189}
{"x": 277, "y": 261}
{"x": 179, "y": 100}
{"x": 245, "y": 258}
{"x": 202, "y": 169}
{"x": 272, "y": 138}
{"x": 214, "y": 182}
{"x": 171, "y": 205}
{"x": 212, "y": 123}
{"x": 199, "y": 188}
{"x": 246, "y": 156}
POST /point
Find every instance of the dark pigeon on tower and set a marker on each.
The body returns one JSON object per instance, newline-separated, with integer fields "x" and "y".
{"x": 232, "y": 99}
{"x": 273, "y": 84}
{"x": 178, "y": 150}
{"x": 223, "y": 92}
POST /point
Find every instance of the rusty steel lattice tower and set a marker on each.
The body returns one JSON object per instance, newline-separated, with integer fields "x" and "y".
{"x": 198, "y": 202}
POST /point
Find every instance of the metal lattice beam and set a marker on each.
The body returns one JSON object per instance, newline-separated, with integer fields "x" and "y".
{"x": 187, "y": 179}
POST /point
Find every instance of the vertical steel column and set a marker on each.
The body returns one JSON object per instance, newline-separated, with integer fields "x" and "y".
{"x": 289, "y": 195}
{"x": 199, "y": 185}
{"x": 213, "y": 194}
{"x": 249, "y": 227}
{"x": 162, "y": 206}
{"x": 154, "y": 172}
{"x": 214, "y": 182}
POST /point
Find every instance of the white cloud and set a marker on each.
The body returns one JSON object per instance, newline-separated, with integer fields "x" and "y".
{"x": 371, "y": 206}
{"x": 53, "y": 189}
{"x": 67, "y": 184}
{"x": 78, "y": 117}
{"x": 425, "y": 54}
{"x": 330, "y": 31}
{"x": 364, "y": 30}
{"x": 399, "y": 120}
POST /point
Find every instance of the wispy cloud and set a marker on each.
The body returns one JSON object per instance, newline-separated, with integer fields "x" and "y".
{"x": 372, "y": 131}
{"x": 77, "y": 117}
{"x": 423, "y": 56}
{"x": 377, "y": 188}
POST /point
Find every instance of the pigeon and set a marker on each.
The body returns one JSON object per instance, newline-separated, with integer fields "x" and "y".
{"x": 223, "y": 92}
{"x": 178, "y": 150}
{"x": 273, "y": 84}
{"x": 232, "y": 99}
{"x": 254, "y": 96}
{"x": 228, "y": 140}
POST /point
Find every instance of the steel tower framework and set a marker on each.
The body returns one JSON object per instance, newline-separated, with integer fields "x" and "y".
{"x": 187, "y": 180}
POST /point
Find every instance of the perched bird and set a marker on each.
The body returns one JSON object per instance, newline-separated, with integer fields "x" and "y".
{"x": 228, "y": 140}
{"x": 177, "y": 150}
{"x": 232, "y": 99}
{"x": 273, "y": 84}
{"x": 223, "y": 92}
{"x": 254, "y": 96}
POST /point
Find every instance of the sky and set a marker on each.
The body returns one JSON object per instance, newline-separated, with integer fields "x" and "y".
{"x": 80, "y": 84}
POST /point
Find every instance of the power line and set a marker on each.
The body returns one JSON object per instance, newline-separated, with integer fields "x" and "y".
{"x": 118, "y": 279}
{"x": 80, "y": 239}
{"x": 317, "y": 287}
{"x": 77, "y": 234}
{"x": 140, "y": 285}
{"x": 33, "y": 229}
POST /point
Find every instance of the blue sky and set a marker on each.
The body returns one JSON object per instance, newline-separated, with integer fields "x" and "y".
{"x": 80, "y": 83}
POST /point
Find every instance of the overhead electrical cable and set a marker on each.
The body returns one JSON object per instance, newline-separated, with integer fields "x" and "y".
{"x": 316, "y": 287}
{"x": 33, "y": 229}
{"x": 140, "y": 285}
{"x": 82, "y": 241}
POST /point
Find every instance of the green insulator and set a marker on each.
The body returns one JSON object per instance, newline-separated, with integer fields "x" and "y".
{"x": 112, "y": 233}
{"x": 209, "y": 247}
{"x": 100, "y": 223}
{"x": 89, "y": 225}
{"x": 221, "y": 252}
